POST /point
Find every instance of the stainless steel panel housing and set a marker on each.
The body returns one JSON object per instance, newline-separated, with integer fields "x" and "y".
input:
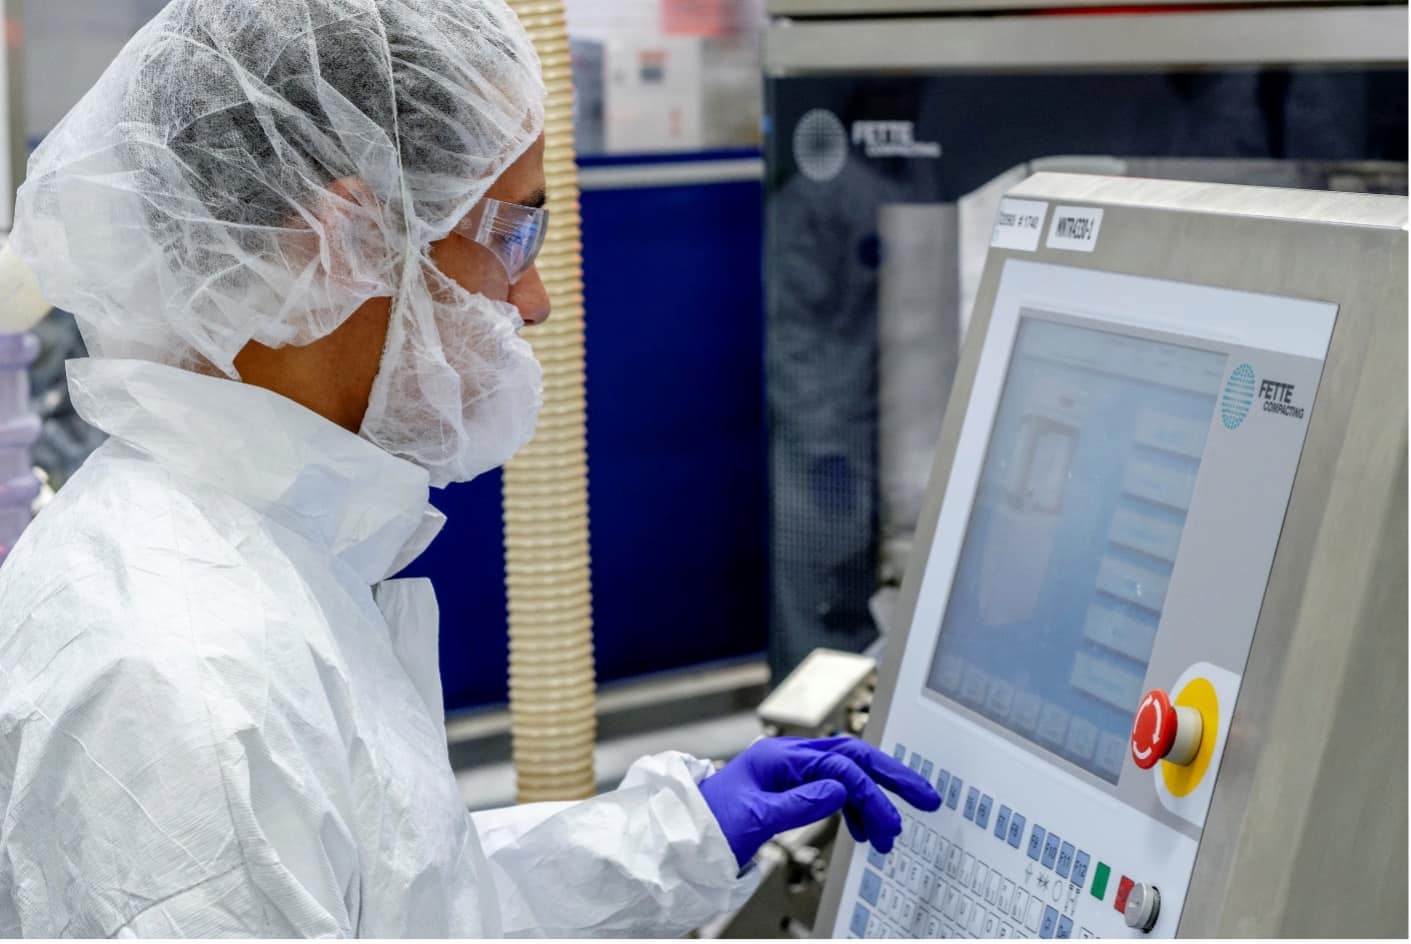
{"x": 1307, "y": 832}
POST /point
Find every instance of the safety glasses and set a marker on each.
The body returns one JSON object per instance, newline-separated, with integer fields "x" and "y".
{"x": 514, "y": 233}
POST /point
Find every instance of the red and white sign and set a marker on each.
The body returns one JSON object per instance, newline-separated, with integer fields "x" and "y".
{"x": 700, "y": 17}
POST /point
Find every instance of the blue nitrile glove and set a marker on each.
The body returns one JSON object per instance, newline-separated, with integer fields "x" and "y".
{"x": 780, "y": 784}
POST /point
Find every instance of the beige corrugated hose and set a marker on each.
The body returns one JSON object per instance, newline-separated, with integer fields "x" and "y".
{"x": 553, "y": 690}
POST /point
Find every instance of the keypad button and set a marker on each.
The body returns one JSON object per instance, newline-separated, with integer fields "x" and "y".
{"x": 908, "y": 912}
{"x": 962, "y": 914}
{"x": 928, "y": 846}
{"x": 933, "y": 928}
{"x": 982, "y": 812}
{"x": 1050, "y": 851}
{"x": 1080, "y": 869}
{"x": 926, "y": 769}
{"x": 950, "y": 901}
{"x": 1124, "y": 888}
{"x": 1034, "y": 915}
{"x": 1065, "y": 928}
{"x": 871, "y": 887}
{"x": 1002, "y": 931}
{"x": 981, "y": 879}
{"x": 1021, "y": 904}
{"x": 977, "y": 920}
{"x": 972, "y": 798}
{"x": 942, "y": 782}
{"x": 1036, "y": 842}
{"x": 1049, "y": 925}
{"x": 992, "y": 890}
{"x": 1100, "y": 876}
{"x": 914, "y": 761}
{"x": 1016, "y": 830}
{"x": 1002, "y": 824}
{"x": 860, "y": 917}
{"x": 954, "y": 861}
{"x": 953, "y": 793}
{"x": 1006, "y": 894}
{"x": 899, "y": 752}
{"x": 1065, "y": 859}
{"x": 990, "y": 925}
{"x": 967, "y": 870}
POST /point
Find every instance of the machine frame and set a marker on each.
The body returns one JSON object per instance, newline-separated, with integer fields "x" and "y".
{"x": 1019, "y": 41}
{"x": 1263, "y": 867}
{"x": 807, "y": 8}
{"x": 12, "y": 133}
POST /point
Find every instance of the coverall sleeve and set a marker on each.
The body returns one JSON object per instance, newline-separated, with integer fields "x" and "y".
{"x": 648, "y": 859}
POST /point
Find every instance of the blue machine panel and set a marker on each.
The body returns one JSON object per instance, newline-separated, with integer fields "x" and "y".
{"x": 676, "y": 443}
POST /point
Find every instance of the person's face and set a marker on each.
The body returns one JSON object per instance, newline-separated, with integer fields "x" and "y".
{"x": 476, "y": 269}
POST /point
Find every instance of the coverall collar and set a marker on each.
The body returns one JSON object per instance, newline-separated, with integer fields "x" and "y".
{"x": 367, "y": 506}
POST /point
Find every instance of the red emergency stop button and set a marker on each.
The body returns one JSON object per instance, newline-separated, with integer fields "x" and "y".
{"x": 1163, "y": 731}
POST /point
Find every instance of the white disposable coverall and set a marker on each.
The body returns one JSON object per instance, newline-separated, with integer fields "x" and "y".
{"x": 219, "y": 717}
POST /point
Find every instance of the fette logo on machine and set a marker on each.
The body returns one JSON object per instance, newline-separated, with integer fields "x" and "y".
{"x": 822, "y": 144}
{"x": 1238, "y": 397}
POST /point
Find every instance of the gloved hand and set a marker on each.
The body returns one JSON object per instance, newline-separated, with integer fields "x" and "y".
{"x": 780, "y": 784}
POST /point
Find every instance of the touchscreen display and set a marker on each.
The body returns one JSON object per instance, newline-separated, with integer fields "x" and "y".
{"x": 1074, "y": 533}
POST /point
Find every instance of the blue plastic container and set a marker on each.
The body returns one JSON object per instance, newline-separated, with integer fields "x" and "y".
{"x": 19, "y": 428}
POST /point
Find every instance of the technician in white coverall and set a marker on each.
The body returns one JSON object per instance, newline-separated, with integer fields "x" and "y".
{"x": 299, "y": 237}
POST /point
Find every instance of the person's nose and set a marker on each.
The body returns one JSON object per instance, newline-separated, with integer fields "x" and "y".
{"x": 531, "y": 298}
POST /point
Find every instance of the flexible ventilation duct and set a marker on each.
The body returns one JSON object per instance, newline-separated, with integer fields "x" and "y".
{"x": 552, "y": 685}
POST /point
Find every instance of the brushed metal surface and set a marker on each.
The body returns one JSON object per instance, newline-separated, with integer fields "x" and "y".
{"x": 1352, "y": 35}
{"x": 12, "y": 112}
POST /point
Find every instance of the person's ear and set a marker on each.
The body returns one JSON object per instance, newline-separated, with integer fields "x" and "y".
{"x": 348, "y": 216}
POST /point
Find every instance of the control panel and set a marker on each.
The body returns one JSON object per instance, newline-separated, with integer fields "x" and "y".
{"x": 986, "y": 872}
{"x": 1089, "y": 592}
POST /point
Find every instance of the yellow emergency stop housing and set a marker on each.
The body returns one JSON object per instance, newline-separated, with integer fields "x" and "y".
{"x": 1199, "y": 694}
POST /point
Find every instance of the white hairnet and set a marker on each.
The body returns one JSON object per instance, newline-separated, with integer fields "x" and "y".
{"x": 184, "y": 209}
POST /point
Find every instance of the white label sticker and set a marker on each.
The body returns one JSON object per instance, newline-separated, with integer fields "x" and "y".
{"x": 1075, "y": 228}
{"x": 1019, "y": 224}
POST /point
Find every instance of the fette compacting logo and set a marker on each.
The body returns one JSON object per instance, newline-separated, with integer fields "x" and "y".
{"x": 1238, "y": 398}
{"x": 820, "y": 145}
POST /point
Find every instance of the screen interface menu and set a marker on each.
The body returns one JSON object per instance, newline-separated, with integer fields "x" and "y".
{"x": 1073, "y": 535}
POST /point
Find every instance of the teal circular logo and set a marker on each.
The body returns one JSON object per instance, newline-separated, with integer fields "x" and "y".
{"x": 1239, "y": 396}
